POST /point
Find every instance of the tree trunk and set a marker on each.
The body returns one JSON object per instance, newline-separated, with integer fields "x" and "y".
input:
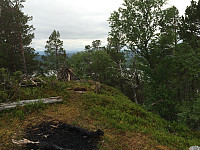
{"x": 69, "y": 77}
{"x": 137, "y": 89}
{"x": 56, "y": 57}
{"x": 22, "y": 52}
{"x": 20, "y": 37}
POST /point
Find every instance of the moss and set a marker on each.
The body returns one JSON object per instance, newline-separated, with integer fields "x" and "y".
{"x": 122, "y": 114}
{"x": 122, "y": 120}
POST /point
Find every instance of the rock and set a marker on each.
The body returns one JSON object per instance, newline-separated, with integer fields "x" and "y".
{"x": 194, "y": 148}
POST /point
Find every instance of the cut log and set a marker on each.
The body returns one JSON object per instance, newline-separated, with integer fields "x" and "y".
{"x": 4, "y": 106}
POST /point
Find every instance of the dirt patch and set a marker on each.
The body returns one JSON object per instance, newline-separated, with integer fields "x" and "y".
{"x": 56, "y": 135}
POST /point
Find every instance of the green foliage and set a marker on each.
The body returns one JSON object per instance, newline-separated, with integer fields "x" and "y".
{"x": 96, "y": 45}
{"x": 49, "y": 89}
{"x": 137, "y": 18}
{"x": 19, "y": 114}
{"x": 3, "y": 74}
{"x": 159, "y": 89}
{"x": 55, "y": 54}
{"x": 3, "y": 96}
{"x": 15, "y": 37}
{"x": 189, "y": 26}
{"x": 116, "y": 111}
{"x": 9, "y": 86}
{"x": 10, "y": 89}
{"x": 165, "y": 56}
{"x": 34, "y": 106}
{"x": 4, "y": 78}
{"x": 22, "y": 112}
{"x": 160, "y": 100}
{"x": 161, "y": 71}
{"x": 17, "y": 76}
{"x": 189, "y": 113}
{"x": 96, "y": 65}
{"x": 146, "y": 30}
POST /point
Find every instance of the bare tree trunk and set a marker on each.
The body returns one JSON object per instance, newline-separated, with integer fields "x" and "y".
{"x": 57, "y": 58}
{"x": 22, "y": 52}
{"x": 135, "y": 95}
{"x": 69, "y": 77}
{"x": 137, "y": 89}
{"x": 175, "y": 31}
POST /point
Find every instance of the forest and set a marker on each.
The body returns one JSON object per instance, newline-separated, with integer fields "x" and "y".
{"x": 152, "y": 56}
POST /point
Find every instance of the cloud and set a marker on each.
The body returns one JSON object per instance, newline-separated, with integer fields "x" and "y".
{"x": 78, "y": 21}
{"x": 180, "y": 5}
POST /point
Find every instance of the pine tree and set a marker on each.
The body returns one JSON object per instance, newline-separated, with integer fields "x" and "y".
{"x": 190, "y": 25}
{"x": 15, "y": 35}
{"x": 55, "y": 55}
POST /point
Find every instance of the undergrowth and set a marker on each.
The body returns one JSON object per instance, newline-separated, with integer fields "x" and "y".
{"x": 111, "y": 109}
{"x": 20, "y": 112}
{"x": 122, "y": 114}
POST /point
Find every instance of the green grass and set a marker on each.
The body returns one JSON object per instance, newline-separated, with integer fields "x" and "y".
{"x": 21, "y": 112}
{"x": 108, "y": 109}
{"x": 120, "y": 113}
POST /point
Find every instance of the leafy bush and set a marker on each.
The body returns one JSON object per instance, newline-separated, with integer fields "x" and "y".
{"x": 96, "y": 65}
{"x": 189, "y": 113}
{"x": 17, "y": 77}
{"x": 4, "y": 78}
{"x": 3, "y": 96}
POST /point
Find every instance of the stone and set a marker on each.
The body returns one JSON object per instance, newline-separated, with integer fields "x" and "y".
{"x": 194, "y": 148}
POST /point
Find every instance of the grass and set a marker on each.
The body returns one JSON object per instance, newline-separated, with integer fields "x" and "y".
{"x": 126, "y": 124}
{"x": 119, "y": 113}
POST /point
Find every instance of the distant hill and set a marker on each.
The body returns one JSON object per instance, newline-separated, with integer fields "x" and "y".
{"x": 69, "y": 53}
{"x": 40, "y": 52}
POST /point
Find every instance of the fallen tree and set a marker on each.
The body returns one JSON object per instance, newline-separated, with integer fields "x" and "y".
{"x": 4, "y": 106}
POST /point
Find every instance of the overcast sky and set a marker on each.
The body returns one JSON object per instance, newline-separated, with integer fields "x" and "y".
{"x": 78, "y": 21}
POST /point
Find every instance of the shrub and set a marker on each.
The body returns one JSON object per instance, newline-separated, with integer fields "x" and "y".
{"x": 3, "y": 96}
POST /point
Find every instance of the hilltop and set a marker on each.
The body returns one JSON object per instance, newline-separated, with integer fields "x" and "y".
{"x": 92, "y": 106}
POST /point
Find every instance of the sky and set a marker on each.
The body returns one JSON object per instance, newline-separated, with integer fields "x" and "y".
{"x": 79, "y": 21}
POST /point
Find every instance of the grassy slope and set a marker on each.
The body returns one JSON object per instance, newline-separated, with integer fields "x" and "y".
{"x": 126, "y": 124}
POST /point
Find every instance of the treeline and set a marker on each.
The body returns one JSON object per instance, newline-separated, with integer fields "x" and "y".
{"x": 152, "y": 55}
{"x": 15, "y": 38}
